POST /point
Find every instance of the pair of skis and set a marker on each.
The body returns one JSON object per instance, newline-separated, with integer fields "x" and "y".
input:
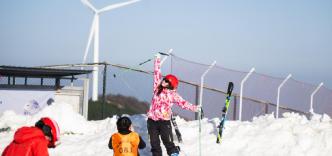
{"x": 224, "y": 112}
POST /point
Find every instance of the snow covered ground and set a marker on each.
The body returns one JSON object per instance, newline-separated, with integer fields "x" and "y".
{"x": 293, "y": 135}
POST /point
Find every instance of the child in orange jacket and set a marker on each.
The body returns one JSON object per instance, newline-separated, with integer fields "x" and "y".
{"x": 125, "y": 142}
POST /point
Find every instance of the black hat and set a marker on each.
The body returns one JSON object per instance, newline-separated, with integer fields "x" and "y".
{"x": 123, "y": 123}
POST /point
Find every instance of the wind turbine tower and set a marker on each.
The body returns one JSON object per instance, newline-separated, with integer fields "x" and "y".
{"x": 94, "y": 34}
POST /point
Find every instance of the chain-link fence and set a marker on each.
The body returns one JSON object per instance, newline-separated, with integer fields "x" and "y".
{"x": 259, "y": 91}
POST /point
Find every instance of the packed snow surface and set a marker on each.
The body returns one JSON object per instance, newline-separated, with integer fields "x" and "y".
{"x": 292, "y": 135}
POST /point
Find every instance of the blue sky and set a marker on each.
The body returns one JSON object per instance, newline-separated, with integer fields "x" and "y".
{"x": 277, "y": 37}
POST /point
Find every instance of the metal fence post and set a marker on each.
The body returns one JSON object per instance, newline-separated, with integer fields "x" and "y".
{"x": 278, "y": 96}
{"x": 234, "y": 112}
{"x": 196, "y": 100}
{"x": 312, "y": 98}
{"x": 266, "y": 108}
{"x": 104, "y": 91}
{"x": 200, "y": 105}
{"x": 241, "y": 91}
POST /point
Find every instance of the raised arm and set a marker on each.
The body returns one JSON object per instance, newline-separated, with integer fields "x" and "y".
{"x": 157, "y": 72}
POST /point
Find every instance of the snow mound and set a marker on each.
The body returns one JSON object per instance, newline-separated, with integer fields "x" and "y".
{"x": 292, "y": 135}
{"x": 69, "y": 121}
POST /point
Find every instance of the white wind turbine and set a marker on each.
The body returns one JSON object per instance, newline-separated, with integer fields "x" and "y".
{"x": 94, "y": 33}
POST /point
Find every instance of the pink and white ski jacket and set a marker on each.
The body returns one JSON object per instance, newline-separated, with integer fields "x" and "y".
{"x": 161, "y": 105}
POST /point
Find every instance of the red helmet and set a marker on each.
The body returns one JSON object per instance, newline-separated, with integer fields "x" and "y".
{"x": 55, "y": 131}
{"x": 172, "y": 80}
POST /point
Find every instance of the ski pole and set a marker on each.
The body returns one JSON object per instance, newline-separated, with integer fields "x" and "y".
{"x": 150, "y": 59}
{"x": 146, "y": 61}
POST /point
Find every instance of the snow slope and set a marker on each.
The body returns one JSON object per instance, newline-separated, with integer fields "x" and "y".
{"x": 293, "y": 135}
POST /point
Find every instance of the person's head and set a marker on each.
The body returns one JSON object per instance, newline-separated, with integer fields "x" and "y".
{"x": 123, "y": 123}
{"x": 170, "y": 81}
{"x": 51, "y": 130}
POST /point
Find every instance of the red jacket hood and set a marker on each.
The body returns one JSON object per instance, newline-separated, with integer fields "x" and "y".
{"x": 25, "y": 134}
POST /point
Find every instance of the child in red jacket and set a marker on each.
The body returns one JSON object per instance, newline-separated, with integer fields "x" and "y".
{"x": 34, "y": 141}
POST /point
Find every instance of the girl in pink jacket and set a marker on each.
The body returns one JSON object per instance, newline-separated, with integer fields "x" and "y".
{"x": 159, "y": 114}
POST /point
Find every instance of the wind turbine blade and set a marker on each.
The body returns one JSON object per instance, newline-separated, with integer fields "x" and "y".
{"x": 89, "y": 5}
{"x": 117, "y": 5}
{"x": 92, "y": 31}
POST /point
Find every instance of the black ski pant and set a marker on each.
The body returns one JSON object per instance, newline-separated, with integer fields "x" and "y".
{"x": 162, "y": 128}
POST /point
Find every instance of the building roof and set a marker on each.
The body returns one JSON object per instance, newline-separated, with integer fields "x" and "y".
{"x": 40, "y": 72}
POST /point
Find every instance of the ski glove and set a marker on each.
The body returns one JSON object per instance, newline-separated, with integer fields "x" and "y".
{"x": 157, "y": 55}
{"x": 199, "y": 108}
